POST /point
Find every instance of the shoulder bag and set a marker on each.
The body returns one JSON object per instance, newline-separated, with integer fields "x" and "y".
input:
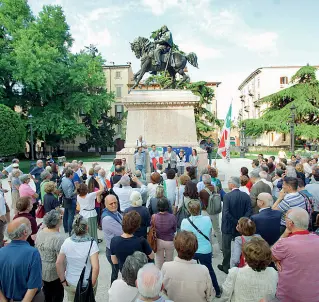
{"x": 85, "y": 293}
{"x": 242, "y": 261}
{"x": 197, "y": 229}
{"x": 181, "y": 214}
{"x": 151, "y": 236}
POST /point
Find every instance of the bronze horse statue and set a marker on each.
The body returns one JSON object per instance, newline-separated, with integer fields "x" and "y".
{"x": 173, "y": 61}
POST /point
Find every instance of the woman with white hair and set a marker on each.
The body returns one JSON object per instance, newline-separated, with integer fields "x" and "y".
{"x": 74, "y": 252}
{"x": 149, "y": 283}
{"x": 124, "y": 290}
{"x": 136, "y": 205}
{"x": 49, "y": 242}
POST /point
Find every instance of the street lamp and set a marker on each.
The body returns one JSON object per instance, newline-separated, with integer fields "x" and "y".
{"x": 31, "y": 137}
{"x": 292, "y": 128}
{"x": 243, "y": 140}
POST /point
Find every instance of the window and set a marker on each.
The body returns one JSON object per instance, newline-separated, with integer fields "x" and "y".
{"x": 117, "y": 74}
{"x": 118, "y": 91}
{"x": 119, "y": 111}
{"x": 283, "y": 80}
{"x": 284, "y": 137}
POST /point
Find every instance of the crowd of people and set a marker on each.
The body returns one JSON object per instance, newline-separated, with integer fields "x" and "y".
{"x": 264, "y": 221}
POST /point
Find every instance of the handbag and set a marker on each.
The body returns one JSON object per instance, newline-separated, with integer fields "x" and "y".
{"x": 242, "y": 261}
{"x": 181, "y": 214}
{"x": 85, "y": 294}
{"x": 151, "y": 236}
{"x": 40, "y": 212}
{"x": 197, "y": 229}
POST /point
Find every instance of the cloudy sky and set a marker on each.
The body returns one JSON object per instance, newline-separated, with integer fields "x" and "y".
{"x": 230, "y": 37}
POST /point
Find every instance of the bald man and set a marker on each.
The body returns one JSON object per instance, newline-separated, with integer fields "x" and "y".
{"x": 267, "y": 220}
{"x": 21, "y": 269}
{"x": 111, "y": 226}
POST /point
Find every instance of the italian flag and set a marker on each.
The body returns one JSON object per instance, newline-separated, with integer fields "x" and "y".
{"x": 224, "y": 143}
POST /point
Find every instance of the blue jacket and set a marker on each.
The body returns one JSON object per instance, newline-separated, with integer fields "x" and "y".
{"x": 268, "y": 224}
{"x": 236, "y": 204}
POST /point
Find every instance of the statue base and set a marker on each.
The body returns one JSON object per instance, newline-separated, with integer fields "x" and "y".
{"x": 162, "y": 117}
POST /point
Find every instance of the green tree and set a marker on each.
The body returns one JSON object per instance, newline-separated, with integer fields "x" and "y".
{"x": 13, "y": 132}
{"x": 42, "y": 76}
{"x": 304, "y": 95}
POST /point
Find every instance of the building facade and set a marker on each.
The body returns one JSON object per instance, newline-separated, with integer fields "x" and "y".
{"x": 260, "y": 83}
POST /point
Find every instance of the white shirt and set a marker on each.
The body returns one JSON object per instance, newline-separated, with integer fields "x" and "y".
{"x": 179, "y": 194}
{"x": 120, "y": 291}
{"x": 151, "y": 190}
{"x": 170, "y": 190}
{"x": 244, "y": 189}
{"x": 76, "y": 253}
{"x": 140, "y": 143}
{"x": 79, "y": 172}
{"x": 200, "y": 186}
{"x": 307, "y": 169}
{"x": 163, "y": 174}
{"x": 124, "y": 194}
{"x": 181, "y": 162}
{"x": 87, "y": 205}
{"x": 2, "y": 204}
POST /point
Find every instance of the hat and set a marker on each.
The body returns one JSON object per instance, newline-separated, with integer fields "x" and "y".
{"x": 136, "y": 199}
{"x": 24, "y": 177}
{"x": 155, "y": 178}
{"x": 15, "y": 165}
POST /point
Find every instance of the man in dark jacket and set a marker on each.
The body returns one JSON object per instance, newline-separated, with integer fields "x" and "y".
{"x": 236, "y": 205}
{"x": 267, "y": 220}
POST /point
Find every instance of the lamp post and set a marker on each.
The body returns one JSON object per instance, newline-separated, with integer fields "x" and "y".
{"x": 31, "y": 137}
{"x": 292, "y": 128}
{"x": 243, "y": 140}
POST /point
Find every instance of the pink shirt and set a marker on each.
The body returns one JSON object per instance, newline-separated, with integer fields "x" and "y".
{"x": 26, "y": 191}
{"x": 299, "y": 278}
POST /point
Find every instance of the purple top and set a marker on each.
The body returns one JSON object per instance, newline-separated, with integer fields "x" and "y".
{"x": 165, "y": 224}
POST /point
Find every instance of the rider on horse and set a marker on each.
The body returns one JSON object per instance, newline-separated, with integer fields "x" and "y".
{"x": 164, "y": 42}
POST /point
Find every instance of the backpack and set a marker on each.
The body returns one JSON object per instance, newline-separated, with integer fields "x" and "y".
{"x": 214, "y": 203}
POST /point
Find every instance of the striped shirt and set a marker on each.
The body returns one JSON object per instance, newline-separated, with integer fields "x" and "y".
{"x": 291, "y": 200}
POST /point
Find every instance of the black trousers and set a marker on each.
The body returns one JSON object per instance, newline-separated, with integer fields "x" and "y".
{"x": 115, "y": 267}
{"x": 53, "y": 291}
{"x": 34, "y": 208}
{"x": 226, "y": 247}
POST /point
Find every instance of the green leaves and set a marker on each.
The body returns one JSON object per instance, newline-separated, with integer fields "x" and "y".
{"x": 304, "y": 95}
{"x": 13, "y": 132}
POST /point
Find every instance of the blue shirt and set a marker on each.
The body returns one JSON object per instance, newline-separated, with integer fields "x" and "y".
{"x": 67, "y": 187}
{"x": 76, "y": 178}
{"x": 21, "y": 269}
{"x": 204, "y": 224}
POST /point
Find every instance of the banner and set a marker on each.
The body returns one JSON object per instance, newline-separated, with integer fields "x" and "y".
{"x": 224, "y": 143}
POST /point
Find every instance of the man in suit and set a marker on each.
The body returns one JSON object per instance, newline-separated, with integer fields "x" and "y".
{"x": 258, "y": 187}
{"x": 236, "y": 205}
{"x": 267, "y": 220}
{"x": 170, "y": 159}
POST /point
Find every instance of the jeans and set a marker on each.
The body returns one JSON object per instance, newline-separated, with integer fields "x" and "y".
{"x": 166, "y": 247}
{"x": 53, "y": 291}
{"x": 216, "y": 227}
{"x": 226, "y": 247}
{"x": 142, "y": 169}
{"x": 115, "y": 267}
{"x": 68, "y": 218}
{"x": 206, "y": 259}
{"x": 180, "y": 170}
{"x": 209, "y": 156}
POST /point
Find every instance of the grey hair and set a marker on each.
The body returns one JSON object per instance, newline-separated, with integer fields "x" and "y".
{"x": 235, "y": 181}
{"x": 149, "y": 281}
{"x": 79, "y": 225}
{"x": 254, "y": 174}
{"x": 291, "y": 171}
{"x": 15, "y": 173}
{"x": 206, "y": 179}
{"x": 299, "y": 217}
{"x": 97, "y": 168}
{"x": 52, "y": 219}
{"x": 138, "y": 173}
{"x": 131, "y": 267}
{"x": 102, "y": 172}
{"x": 125, "y": 180}
{"x": 263, "y": 174}
{"x": 44, "y": 174}
{"x": 18, "y": 232}
{"x": 204, "y": 171}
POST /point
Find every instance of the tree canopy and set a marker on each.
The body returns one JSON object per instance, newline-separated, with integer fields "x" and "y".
{"x": 40, "y": 74}
{"x": 304, "y": 95}
{"x": 12, "y": 131}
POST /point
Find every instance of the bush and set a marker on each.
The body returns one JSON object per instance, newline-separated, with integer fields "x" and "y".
{"x": 12, "y": 130}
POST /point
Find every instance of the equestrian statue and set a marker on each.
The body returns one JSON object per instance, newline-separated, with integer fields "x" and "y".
{"x": 159, "y": 56}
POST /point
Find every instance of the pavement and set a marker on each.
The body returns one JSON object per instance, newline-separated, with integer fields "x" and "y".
{"x": 226, "y": 169}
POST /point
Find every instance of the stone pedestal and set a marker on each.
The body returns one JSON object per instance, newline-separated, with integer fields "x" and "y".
{"x": 162, "y": 117}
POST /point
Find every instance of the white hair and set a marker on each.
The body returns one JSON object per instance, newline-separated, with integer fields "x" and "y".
{"x": 206, "y": 179}
{"x": 149, "y": 281}
{"x": 263, "y": 174}
{"x": 125, "y": 180}
{"x": 136, "y": 199}
{"x": 254, "y": 174}
{"x": 19, "y": 231}
{"x": 97, "y": 168}
{"x": 299, "y": 217}
{"x": 235, "y": 181}
{"x": 266, "y": 198}
{"x": 291, "y": 171}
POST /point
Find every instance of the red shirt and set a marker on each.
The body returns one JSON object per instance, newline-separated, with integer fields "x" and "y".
{"x": 249, "y": 185}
